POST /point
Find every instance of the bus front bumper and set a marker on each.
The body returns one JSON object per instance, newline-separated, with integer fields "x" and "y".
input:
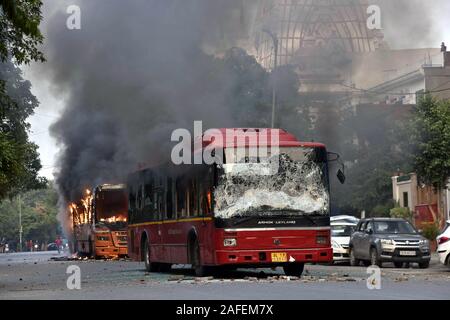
{"x": 111, "y": 251}
{"x": 273, "y": 257}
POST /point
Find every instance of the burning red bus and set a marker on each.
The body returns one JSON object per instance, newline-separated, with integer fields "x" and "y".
{"x": 100, "y": 222}
{"x": 240, "y": 213}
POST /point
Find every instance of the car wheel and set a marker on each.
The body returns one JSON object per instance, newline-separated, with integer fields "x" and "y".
{"x": 374, "y": 259}
{"x": 398, "y": 264}
{"x": 353, "y": 261}
{"x": 294, "y": 269}
{"x": 424, "y": 265}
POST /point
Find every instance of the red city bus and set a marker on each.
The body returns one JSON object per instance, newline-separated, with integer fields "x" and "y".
{"x": 236, "y": 214}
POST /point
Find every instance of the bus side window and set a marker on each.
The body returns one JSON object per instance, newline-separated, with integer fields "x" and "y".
{"x": 181, "y": 198}
{"x": 131, "y": 203}
{"x": 148, "y": 196}
{"x": 169, "y": 199}
{"x": 193, "y": 198}
{"x": 139, "y": 198}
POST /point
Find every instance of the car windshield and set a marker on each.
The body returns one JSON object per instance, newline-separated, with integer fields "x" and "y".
{"x": 393, "y": 227}
{"x": 342, "y": 231}
{"x": 250, "y": 185}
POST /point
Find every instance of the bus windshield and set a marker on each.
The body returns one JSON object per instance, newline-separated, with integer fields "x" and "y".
{"x": 291, "y": 181}
{"x": 111, "y": 207}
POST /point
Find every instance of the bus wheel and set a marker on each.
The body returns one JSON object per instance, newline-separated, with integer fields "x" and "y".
{"x": 165, "y": 267}
{"x": 199, "y": 269}
{"x": 149, "y": 266}
{"x": 294, "y": 269}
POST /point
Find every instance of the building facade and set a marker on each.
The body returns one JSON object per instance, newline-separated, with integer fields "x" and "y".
{"x": 427, "y": 204}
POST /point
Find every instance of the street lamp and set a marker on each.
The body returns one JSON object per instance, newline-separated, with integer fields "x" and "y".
{"x": 275, "y": 48}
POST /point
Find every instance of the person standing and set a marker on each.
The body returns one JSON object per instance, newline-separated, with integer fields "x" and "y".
{"x": 58, "y": 243}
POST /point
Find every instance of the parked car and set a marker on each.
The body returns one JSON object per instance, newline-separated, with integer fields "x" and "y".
{"x": 378, "y": 240}
{"x": 344, "y": 218}
{"x": 340, "y": 239}
{"x": 52, "y": 247}
{"x": 443, "y": 241}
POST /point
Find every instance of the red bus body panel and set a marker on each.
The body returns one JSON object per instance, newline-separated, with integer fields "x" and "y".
{"x": 169, "y": 243}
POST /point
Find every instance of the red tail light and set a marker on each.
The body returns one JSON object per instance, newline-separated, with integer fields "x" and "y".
{"x": 443, "y": 240}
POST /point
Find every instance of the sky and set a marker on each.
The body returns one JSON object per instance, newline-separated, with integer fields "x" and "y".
{"x": 52, "y": 102}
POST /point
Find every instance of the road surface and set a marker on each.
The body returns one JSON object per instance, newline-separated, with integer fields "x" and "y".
{"x": 36, "y": 276}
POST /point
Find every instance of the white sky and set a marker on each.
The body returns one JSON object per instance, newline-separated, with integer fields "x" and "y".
{"x": 51, "y": 104}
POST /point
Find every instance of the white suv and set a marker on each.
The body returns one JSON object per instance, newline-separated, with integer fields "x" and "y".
{"x": 443, "y": 241}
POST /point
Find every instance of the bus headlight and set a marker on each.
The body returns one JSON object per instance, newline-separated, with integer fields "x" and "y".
{"x": 321, "y": 239}
{"x": 229, "y": 242}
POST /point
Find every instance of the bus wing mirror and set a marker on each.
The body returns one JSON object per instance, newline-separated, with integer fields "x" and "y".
{"x": 341, "y": 176}
{"x": 333, "y": 156}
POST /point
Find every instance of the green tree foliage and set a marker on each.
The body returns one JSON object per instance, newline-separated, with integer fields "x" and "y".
{"x": 399, "y": 212}
{"x": 19, "y": 30}
{"x": 374, "y": 150}
{"x": 431, "y": 139}
{"x": 430, "y": 231}
{"x": 250, "y": 95}
{"x": 19, "y": 159}
{"x": 19, "y": 40}
{"x": 39, "y": 210}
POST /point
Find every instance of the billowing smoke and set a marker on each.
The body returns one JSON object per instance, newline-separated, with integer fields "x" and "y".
{"x": 133, "y": 73}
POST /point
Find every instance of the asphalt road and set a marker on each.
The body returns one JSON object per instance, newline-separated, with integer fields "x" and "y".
{"x": 36, "y": 276}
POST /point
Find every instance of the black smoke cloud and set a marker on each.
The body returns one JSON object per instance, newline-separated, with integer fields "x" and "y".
{"x": 135, "y": 71}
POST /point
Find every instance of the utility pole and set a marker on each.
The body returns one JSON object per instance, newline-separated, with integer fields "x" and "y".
{"x": 274, "y": 92}
{"x": 20, "y": 221}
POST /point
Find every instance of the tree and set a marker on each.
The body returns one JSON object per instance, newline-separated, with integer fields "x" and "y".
{"x": 431, "y": 140}
{"x": 19, "y": 30}
{"x": 19, "y": 38}
{"x": 250, "y": 93}
{"x": 379, "y": 150}
{"x": 39, "y": 211}
{"x": 19, "y": 159}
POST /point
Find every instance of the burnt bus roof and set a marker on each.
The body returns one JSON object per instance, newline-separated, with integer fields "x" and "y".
{"x": 110, "y": 187}
{"x": 286, "y": 139}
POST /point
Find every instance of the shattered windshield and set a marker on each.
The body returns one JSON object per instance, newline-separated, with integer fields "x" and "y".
{"x": 292, "y": 181}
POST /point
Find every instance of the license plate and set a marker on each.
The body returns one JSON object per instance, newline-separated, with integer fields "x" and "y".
{"x": 407, "y": 253}
{"x": 279, "y": 257}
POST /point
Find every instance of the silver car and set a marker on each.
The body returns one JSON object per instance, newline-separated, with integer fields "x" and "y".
{"x": 378, "y": 240}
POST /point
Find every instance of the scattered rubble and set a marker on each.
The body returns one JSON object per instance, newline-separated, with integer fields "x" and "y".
{"x": 399, "y": 279}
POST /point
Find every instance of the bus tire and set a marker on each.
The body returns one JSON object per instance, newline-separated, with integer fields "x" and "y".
{"x": 199, "y": 269}
{"x": 165, "y": 267}
{"x": 149, "y": 266}
{"x": 294, "y": 269}
{"x": 91, "y": 253}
